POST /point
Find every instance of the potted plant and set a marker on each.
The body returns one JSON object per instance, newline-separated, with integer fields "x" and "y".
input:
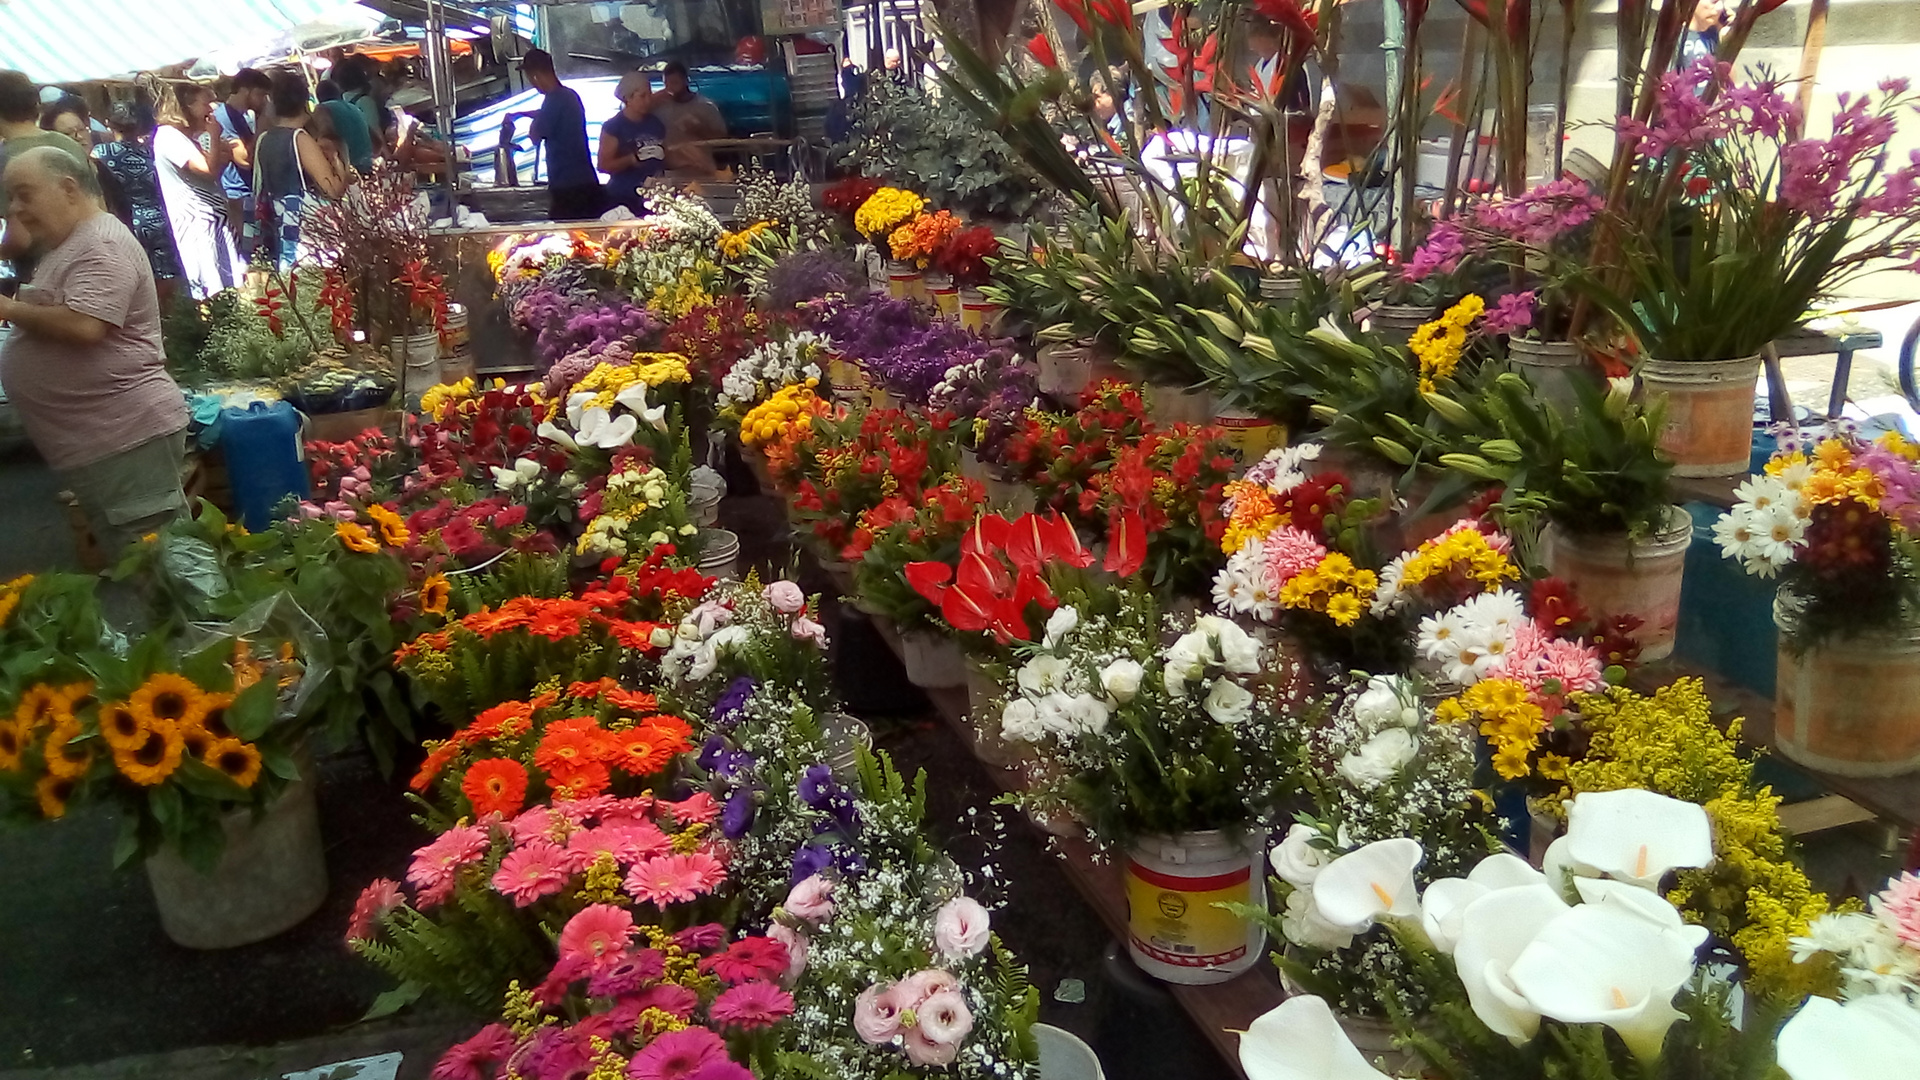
{"x": 1830, "y": 519}
{"x": 900, "y": 532}
{"x": 886, "y": 210}
{"x": 964, "y": 261}
{"x": 1597, "y": 479}
{"x": 1731, "y": 228}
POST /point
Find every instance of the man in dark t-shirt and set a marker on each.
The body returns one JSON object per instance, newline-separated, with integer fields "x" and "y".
{"x": 633, "y": 146}
{"x": 561, "y": 125}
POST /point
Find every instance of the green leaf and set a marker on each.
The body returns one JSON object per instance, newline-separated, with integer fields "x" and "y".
{"x": 392, "y": 1001}
{"x": 252, "y": 712}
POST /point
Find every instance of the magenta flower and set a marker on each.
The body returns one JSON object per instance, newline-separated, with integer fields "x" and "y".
{"x": 477, "y": 1058}
{"x": 1440, "y": 253}
{"x": 1511, "y": 314}
{"x": 748, "y": 959}
{"x": 751, "y": 1005}
{"x": 628, "y": 974}
{"x": 378, "y": 898}
{"x": 677, "y": 1055}
{"x": 435, "y": 867}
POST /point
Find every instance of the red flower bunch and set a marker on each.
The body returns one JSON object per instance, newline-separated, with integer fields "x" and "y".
{"x": 1849, "y": 543}
{"x": 964, "y": 258}
{"x": 268, "y": 305}
{"x": 837, "y": 475}
{"x": 331, "y": 462}
{"x": 490, "y": 429}
{"x": 426, "y": 291}
{"x": 336, "y": 295}
{"x": 644, "y": 587}
{"x": 1060, "y": 456}
{"x": 846, "y": 196}
{"x": 714, "y": 336}
{"x": 474, "y": 533}
{"x": 1002, "y": 573}
{"x": 943, "y": 514}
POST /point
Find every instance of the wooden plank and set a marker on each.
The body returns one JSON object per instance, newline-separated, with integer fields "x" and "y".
{"x": 1825, "y": 812}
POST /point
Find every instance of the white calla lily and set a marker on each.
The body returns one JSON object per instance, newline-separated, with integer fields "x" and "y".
{"x": 524, "y": 471}
{"x": 1505, "y": 871}
{"x": 1299, "y": 1039}
{"x": 1609, "y": 964}
{"x": 1877, "y": 1035}
{"x": 1369, "y": 882}
{"x": 553, "y": 433}
{"x": 1562, "y": 870}
{"x": 1645, "y": 903}
{"x": 1443, "y": 910}
{"x": 600, "y": 428}
{"x": 1637, "y": 836}
{"x": 1495, "y": 930}
{"x": 635, "y": 399}
{"x": 576, "y": 406}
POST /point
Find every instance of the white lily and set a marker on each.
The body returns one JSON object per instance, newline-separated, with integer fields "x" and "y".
{"x": 576, "y": 406}
{"x": 1299, "y": 1039}
{"x": 600, "y": 428}
{"x": 1877, "y": 1035}
{"x": 1609, "y": 964}
{"x": 1369, "y": 882}
{"x": 553, "y": 433}
{"x": 1495, "y": 931}
{"x": 635, "y": 399}
{"x": 523, "y": 471}
{"x": 1637, "y": 836}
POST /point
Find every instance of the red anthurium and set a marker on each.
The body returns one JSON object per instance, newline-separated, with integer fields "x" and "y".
{"x": 1042, "y": 50}
{"x": 987, "y": 536}
{"x": 982, "y": 573}
{"x": 1126, "y": 544}
{"x": 929, "y": 579}
{"x": 1031, "y": 588}
{"x": 1077, "y": 11}
{"x": 1063, "y": 543}
{"x": 970, "y": 610}
{"x": 1026, "y": 544}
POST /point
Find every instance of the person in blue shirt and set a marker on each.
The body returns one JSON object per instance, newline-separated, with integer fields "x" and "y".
{"x": 573, "y": 188}
{"x": 238, "y": 117}
{"x": 633, "y": 145}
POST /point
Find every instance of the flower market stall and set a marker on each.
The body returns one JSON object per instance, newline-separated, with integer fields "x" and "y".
{"x": 1350, "y": 668}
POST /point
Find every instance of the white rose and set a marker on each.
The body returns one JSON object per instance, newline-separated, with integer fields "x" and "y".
{"x": 1228, "y": 701}
{"x": 1056, "y": 715}
{"x": 1088, "y": 713}
{"x": 1060, "y": 624}
{"x": 1380, "y": 759}
{"x": 1379, "y": 705}
{"x": 1018, "y": 720}
{"x": 1303, "y": 926}
{"x": 1238, "y": 649}
{"x": 1042, "y": 675}
{"x": 1296, "y": 859}
{"x": 1121, "y": 680}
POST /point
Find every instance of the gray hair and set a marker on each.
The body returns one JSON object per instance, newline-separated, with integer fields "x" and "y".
{"x": 60, "y": 165}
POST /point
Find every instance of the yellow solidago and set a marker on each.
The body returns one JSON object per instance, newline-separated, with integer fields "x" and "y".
{"x": 1439, "y": 344}
{"x": 1754, "y": 894}
{"x": 602, "y": 884}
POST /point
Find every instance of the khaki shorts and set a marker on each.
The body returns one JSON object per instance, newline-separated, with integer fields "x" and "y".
{"x": 132, "y": 493}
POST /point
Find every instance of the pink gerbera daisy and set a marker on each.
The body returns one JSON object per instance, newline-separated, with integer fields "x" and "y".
{"x": 1549, "y": 666}
{"x": 752, "y": 1005}
{"x": 537, "y": 823}
{"x": 627, "y": 841}
{"x": 531, "y": 872}
{"x": 598, "y": 934}
{"x": 669, "y": 879}
{"x": 1898, "y": 908}
{"x": 436, "y": 866}
{"x": 698, "y": 807}
{"x": 1289, "y": 552}
{"x": 375, "y": 901}
{"x": 677, "y": 1055}
{"x": 748, "y": 959}
{"x": 476, "y": 1058}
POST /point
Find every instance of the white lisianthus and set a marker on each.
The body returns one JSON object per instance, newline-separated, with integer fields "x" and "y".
{"x": 1019, "y": 720}
{"x": 1121, "y": 680}
{"x": 1379, "y": 759}
{"x": 1228, "y": 702}
{"x": 1060, "y": 624}
{"x": 1295, "y": 859}
{"x": 1239, "y": 651}
{"x": 1042, "y": 675}
{"x": 1088, "y": 713}
{"x": 1386, "y": 701}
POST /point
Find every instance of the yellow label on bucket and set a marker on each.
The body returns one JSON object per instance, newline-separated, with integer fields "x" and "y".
{"x": 1174, "y": 920}
{"x": 1252, "y": 437}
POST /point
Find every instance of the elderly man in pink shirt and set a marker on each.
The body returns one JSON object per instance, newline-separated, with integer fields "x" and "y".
{"x": 84, "y": 365}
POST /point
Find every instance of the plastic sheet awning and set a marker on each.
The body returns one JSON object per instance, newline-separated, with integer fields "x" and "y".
{"x": 75, "y": 40}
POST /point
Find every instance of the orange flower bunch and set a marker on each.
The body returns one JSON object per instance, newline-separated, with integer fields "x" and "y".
{"x": 559, "y": 619}
{"x": 596, "y": 736}
{"x": 922, "y": 238}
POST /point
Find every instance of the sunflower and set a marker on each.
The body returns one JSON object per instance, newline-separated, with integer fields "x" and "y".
{"x": 213, "y": 715}
{"x": 435, "y": 592}
{"x": 356, "y": 537}
{"x": 167, "y": 700}
{"x": 40, "y": 706}
{"x": 53, "y": 793}
{"x": 64, "y": 758}
{"x": 122, "y": 727}
{"x": 153, "y": 760}
{"x": 196, "y": 740}
{"x": 238, "y": 761}
{"x": 12, "y": 744}
{"x": 393, "y": 529}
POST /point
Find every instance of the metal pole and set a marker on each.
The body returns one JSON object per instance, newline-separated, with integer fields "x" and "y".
{"x": 440, "y": 81}
{"x": 1394, "y": 45}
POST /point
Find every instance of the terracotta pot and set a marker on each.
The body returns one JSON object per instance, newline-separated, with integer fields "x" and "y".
{"x": 1612, "y": 575}
{"x": 1395, "y": 323}
{"x": 271, "y": 876}
{"x": 1174, "y": 931}
{"x": 1709, "y": 427}
{"x": 1849, "y": 704}
{"x": 1553, "y": 368}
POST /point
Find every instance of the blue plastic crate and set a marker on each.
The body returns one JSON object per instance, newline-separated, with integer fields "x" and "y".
{"x": 1726, "y": 614}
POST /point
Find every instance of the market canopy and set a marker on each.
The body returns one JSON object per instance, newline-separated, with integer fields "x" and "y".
{"x": 75, "y": 40}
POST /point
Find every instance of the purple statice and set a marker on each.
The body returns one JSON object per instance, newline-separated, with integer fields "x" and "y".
{"x": 911, "y": 369}
{"x": 871, "y": 325}
{"x": 1510, "y": 314}
{"x": 803, "y": 276}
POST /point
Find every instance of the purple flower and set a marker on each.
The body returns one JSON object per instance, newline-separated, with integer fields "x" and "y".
{"x": 737, "y": 818}
{"x": 1510, "y": 314}
{"x": 810, "y": 860}
{"x": 817, "y": 786}
{"x": 732, "y": 700}
{"x": 1441, "y": 253}
{"x": 701, "y": 938}
{"x": 555, "y": 1054}
{"x": 628, "y": 975}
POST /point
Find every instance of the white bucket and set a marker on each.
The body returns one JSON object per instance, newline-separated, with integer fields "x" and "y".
{"x": 456, "y": 361}
{"x": 1064, "y": 1056}
{"x": 419, "y": 356}
{"x": 1175, "y": 932}
{"x": 933, "y": 661}
{"x": 720, "y": 554}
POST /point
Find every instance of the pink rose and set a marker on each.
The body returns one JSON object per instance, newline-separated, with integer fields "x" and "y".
{"x": 923, "y": 1051}
{"x": 805, "y": 629}
{"x": 811, "y": 899}
{"x": 786, "y": 597}
{"x": 916, "y": 989}
{"x": 876, "y": 1015}
{"x": 944, "y": 1018}
{"x": 960, "y": 927}
{"x": 796, "y": 943}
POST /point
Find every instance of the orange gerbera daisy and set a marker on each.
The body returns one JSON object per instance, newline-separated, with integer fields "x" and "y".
{"x": 633, "y": 701}
{"x": 438, "y": 755}
{"x": 236, "y": 760}
{"x": 565, "y": 750}
{"x": 633, "y": 635}
{"x": 642, "y": 751}
{"x": 155, "y": 759}
{"x": 582, "y": 783}
{"x": 53, "y": 793}
{"x": 508, "y": 718}
{"x": 64, "y": 758}
{"x": 121, "y": 726}
{"x": 435, "y": 592}
{"x": 167, "y": 700}
{"x": 672, "y": 728}
{"x": 356, "y": 537}
{"x": 495, "y": 786}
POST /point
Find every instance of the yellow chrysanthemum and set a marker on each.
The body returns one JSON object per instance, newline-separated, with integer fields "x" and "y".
{"x": 356, "y": 537}
{"x": 884, "y": 210}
